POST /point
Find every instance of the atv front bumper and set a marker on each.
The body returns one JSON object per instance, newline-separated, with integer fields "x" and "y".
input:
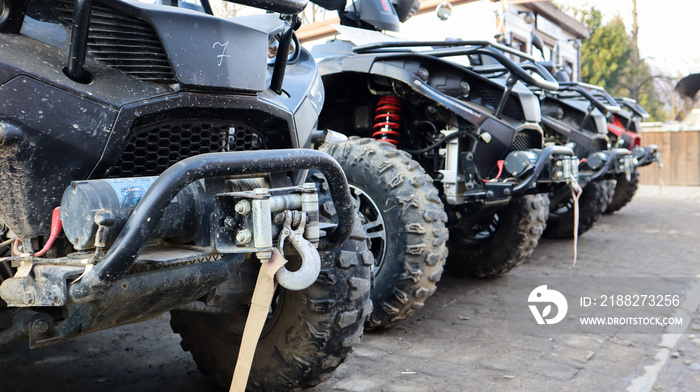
{"x": 647, "y": 155}
{"x": 551, "y": 165}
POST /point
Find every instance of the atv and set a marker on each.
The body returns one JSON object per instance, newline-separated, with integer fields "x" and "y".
{"x": 625, "y": 130}
{"x": 437, "y": 156}
{"x": 154, "y": 159}
{"x": 576, "y": 115}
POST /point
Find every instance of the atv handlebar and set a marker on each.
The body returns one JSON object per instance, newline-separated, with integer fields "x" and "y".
{"x": 282, "y": 6}
{"x": 519, "y": 70}
{"x": 582, "y": 88}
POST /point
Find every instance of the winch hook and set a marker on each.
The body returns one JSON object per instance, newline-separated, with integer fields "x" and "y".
{"x": 310, "y": 268}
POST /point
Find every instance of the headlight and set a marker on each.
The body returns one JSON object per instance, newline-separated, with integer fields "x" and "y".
{"x": 464, "y": 89}
{"x": 423, "y": 74}
{"x": 273, "y": 47}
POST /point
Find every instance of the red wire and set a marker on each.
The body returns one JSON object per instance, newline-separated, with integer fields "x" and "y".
{"x": 500, "y": 171}
{"x": 56, "y": 226}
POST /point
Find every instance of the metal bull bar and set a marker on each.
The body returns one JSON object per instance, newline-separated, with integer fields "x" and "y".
{"x": 612, "y": 158}
{"x": 542, "y": 161}
{"x": 647, "y": 155}
{"x": 145, "y": 217}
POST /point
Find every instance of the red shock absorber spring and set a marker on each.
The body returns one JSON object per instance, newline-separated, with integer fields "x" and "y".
{"x": 386, "y": 119}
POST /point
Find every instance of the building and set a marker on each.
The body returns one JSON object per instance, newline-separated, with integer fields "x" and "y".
{"x": 512, "y": 24}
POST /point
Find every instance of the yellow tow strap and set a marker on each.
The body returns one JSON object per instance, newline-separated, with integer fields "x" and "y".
{"x": 259, "y": 309}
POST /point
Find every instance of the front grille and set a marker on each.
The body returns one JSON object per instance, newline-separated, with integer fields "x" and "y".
{"x": 525, "y": 141}
{"x": 153, "y": 148}
{"x": 599, "y": 145}
{"x": 512, "y": 109}
{"x": 123, "y": 42}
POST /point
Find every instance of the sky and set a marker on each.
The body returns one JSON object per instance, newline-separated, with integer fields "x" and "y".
{"x": 668, "y": 30}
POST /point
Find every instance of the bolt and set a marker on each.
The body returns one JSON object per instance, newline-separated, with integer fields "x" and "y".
{"x": 506, "y": 192}
{"x": 558, "y": 174}
{"x": 40, "y": 326}
{"x": 485, "y": 137}
{"x": 489, "y": 194}
{"x": 279, "y": 218}
{"x": 243, "y": 207}
{"x": 559, "y": 163}
{"x": 230, "y": 223}
{"x": 264, "y": 256}
{"x": 244, "y": 236}
{"x": 29, "y": 298}
{"x": 56, "y": 295}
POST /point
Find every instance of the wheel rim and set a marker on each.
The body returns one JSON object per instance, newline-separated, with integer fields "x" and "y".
{"x": 482, "y": 231}
{"x": 372, "y": 224}
{"x": 230, "y": 328}
{"x": 561, "y": 209}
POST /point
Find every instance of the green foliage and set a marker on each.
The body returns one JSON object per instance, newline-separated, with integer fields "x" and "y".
{"x": 606, "y": 60}
{"x": 606, "y": 54}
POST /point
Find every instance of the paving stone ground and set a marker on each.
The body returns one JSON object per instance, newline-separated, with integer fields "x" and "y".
{"x": 460, "y": 341}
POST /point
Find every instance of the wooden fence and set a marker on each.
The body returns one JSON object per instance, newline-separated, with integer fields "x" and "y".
{"x": 680, "y": 152}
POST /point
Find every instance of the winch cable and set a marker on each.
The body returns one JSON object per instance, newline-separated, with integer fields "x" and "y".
{"x": 259, "y": 308}
{"x": 576, "y": 192}
{"x": 661, "y": 173}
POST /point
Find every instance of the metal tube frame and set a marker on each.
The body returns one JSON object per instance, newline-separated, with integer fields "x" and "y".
{"x": 145, "y": 217}
{"x": 78, "y": 42}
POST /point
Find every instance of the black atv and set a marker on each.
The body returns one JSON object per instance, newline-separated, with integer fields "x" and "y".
{"x": 605, "y": 137}
{"x": 434, "y": 146}
{"x": 174, "y": 154}
{"x": 625, "y": 131}
{"x": 576, "y": 115}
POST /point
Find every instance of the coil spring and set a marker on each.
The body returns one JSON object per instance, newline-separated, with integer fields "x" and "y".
{"x": 386, "y": 119}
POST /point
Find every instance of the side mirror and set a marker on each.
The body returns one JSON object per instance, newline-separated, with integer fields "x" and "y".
{"x": 406, "y": 9}
{"x": 444, "y": 10}
{"x": 556, "y": 55}
{"x": 537, "y": 43}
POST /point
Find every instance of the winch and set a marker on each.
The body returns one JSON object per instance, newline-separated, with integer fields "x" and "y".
{"x": 206, "y": 212}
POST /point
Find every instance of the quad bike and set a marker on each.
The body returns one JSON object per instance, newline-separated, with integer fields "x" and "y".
{"x": 575, "y": 115}
{"x": 625, "y": 130}
{"x": 436, "y": 151}
{"x": 174, "y": 154}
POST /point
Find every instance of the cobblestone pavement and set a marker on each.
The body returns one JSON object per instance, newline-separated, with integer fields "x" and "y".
{"x": 460, "y": 341}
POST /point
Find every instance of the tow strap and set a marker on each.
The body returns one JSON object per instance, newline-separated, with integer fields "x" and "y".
{"x": 576, "y": 192}
{"x": 259, "y": 309}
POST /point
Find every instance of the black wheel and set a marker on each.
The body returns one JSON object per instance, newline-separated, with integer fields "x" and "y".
{"x": 307, "y": 334}
{"x": 624, "y": 191}
{"x": 404, "y": 220}
{"x": 502, "y": 241}
{"x": 592, "y": 204}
